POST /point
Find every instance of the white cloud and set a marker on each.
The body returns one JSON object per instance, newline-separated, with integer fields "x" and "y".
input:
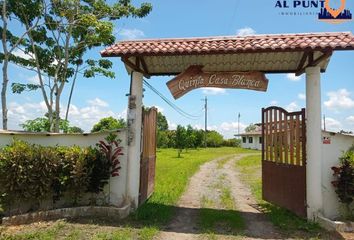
{"x": 350, "y": 120}
{"x": 292, "y": 107}
{"x": 229, "y": 129}
{"x": 98, "y": 102}
{"x": 246, "y": 31}
{"x": 34, "y": 79}
{"x": 22, "y": 54}
{"x": 340, "y": 99}
{"x": 213, "y": 91}
{"x": 171, "y": 125}
{"x": 274, "y": 103}
{"x": 19, "y": 113}
{"x": 130, "y": 34}
{"x": 84, "y": 117}
{"x": 301, "y": 96}
{"x": 332, "y": 125}
{"x": 293, "y": 77}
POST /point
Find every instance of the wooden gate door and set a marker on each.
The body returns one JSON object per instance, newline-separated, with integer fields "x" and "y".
{"x": 284, "y": 158}
{"x": 148, "y": 157}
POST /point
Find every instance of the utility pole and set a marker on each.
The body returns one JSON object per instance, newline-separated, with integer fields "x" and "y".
{"x": 206, "y": 120}
{"x": 324, "y": 122}
{"x": 238, "y": 124}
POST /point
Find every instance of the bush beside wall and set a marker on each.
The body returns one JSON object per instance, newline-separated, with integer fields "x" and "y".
{"x": 31, "y": 174}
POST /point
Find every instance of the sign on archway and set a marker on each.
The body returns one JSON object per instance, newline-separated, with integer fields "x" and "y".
{"x": 194, "y": 77}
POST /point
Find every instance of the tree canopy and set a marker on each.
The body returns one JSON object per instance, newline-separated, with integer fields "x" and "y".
{"x": 252, "y": 127}
{"x": 57, "y": 46}
{"x": 41, "y": 124}
{"x": 108, "y": 123}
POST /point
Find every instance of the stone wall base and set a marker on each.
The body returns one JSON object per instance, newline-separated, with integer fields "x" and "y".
{"x": 89, "y": 211}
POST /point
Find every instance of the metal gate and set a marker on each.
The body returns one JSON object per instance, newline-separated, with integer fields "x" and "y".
{"x": 284, "y": 158}
{"x": 148, "y": 157}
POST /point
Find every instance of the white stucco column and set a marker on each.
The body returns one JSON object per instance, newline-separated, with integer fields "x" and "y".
{"x": 134, "y": 137}
{"x": 313, "y": 146}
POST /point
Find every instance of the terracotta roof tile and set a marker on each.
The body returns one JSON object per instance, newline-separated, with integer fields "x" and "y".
{"x": 233, "y": 44}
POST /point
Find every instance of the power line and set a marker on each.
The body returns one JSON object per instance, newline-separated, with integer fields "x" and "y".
{"x": 172, "y": 105}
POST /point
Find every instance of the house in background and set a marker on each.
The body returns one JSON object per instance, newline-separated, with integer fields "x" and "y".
{"x": 252, "y": 139}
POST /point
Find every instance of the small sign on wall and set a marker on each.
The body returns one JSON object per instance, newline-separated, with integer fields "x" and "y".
{"x": 326, "y": 140}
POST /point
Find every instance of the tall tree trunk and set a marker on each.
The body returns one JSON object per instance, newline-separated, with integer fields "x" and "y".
{"x": 71, "y": 93}
{"x": 5, "y": 79}
{"x": 57, "y": 113}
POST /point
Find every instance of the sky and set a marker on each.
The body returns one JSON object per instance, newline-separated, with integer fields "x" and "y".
{"x": 100, "y": 97}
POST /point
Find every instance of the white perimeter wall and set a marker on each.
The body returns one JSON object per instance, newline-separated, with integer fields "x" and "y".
{"x": 330, "y": 154}
{"x": 117, "y": 184}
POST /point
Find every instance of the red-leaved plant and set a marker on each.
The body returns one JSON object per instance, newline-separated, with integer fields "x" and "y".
{"x": 111, "y": 149}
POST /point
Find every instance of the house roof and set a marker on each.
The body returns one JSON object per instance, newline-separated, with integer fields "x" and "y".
{"x": 276, "y": 53}
{"x": 253, "y": 133}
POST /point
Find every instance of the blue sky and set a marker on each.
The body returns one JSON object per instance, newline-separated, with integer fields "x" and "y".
{"x": 99, "y": 97}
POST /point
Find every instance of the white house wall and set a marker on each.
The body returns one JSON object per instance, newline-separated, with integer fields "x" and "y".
{"x": 254, "y": 145}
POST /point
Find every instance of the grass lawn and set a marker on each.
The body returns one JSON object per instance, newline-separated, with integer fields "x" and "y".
{"x": 250, "y": 168}
{"x": 172, "y": 176}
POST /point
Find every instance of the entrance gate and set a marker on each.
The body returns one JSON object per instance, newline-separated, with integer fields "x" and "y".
{"x": 148, "y": 157}
{"x": 284, "y": 158}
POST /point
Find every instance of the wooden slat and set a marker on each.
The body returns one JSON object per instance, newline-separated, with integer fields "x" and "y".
{"x": 271, "y": 135}
{"x": 291, "y": 129}
{"x": 298, "y": 146}
{"x": 266, "y": 135}
{"x": 303, "y": 143}
{"x": 280, "y": 127}
{"x": 263, "y": 135}
{"x": 275, "y": 136}
{"x": 286, "y": 139}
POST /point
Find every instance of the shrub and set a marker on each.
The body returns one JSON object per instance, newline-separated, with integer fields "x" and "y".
{"x": 344, "y": 180}
{"x": 34, "y": 173}
{"x": 26, "y": 171}
{"x": 232, "y": 143}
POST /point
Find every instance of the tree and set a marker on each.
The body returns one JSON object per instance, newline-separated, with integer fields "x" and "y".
{"x": 75, "y": 129}
{"x": 251, "y": 128}
{"x": 11, "y": 42}
{"x": 42, "y": 124}
{"x": 162, "y": 124}
{"x": 70, "y": 29}
{"x": 108, "y": 123}
{"x": 199, "y": 138}
{"x": 162, "y": 139}
{"x": 190, "y": 137}
{"x": 214, "y": 139}
{"x": 180, "y": 139}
